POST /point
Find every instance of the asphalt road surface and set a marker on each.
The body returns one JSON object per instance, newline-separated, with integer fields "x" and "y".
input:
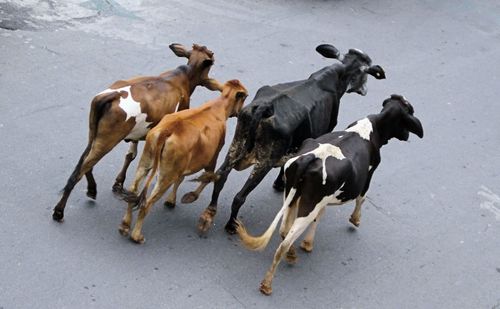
{"x": 429, "y": 236}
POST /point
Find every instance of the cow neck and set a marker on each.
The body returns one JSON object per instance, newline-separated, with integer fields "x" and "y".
{"x": 193, "y": 77}
{"x": 330, "y": 79}
{"x": 381, "y": 124}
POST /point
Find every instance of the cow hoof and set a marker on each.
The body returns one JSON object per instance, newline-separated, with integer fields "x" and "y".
{"x": 355, "y": 221}
{"x": 265, "y": 288}
{"x": 169, "y": 205}
{"x": 124, "y": 229}
{"x": 58, "y": 215}
{"x": 230, "y": 227}
{"x": 206, "y": 219}
{"x": 189, "y": 198}
{"x": 306, "y": 246}
{"x": 291, "y": 256}
{"x": 279, "y": 186}
{"x": 117, "y": 187}
{"x": 92, "y": 194}
{"x": 139, "y": 239}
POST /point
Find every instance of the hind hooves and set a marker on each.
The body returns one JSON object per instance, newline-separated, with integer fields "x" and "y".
{"x": 189, "y": 198}
{"x": 291, "y": 256}
{"x": 58, "y": 215}
{"x": 169, "y": 205}
{"x": 265, "y": 288}
{"x": 355, "y": 221}
{"x": 306, "y": 246}
{"x": 92, "y": 194}
{"x": 230, "y": 227}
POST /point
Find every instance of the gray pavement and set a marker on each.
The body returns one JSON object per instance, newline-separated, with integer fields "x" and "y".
{"x": 429, "y": 236}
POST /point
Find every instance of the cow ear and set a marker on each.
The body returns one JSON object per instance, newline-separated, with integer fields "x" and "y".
{"x": 328, "y": 51}
{"x": 376, "y": 71}
{"x": 179, "y": 50}
{"x": 241, "y": 95}
{"x": 212, "y": 84}
{"x": 414, "y": 126}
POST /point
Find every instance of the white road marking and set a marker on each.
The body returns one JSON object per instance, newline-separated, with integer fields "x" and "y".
{"x": 490, "y": 199}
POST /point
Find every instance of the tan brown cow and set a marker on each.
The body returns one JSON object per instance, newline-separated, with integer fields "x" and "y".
{"x": 182, "y": 144}
{"x": 129, "y": 108}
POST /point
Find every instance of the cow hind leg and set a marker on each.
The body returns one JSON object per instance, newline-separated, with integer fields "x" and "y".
{"x": 170, "y": 202}
{"x": 289, "y": 217}
{"x": 89, "y": 158}
{"x": 160, "y": 187}
{"x": 279, "y": 183}
{"x": 297, "y": 228}
{"x": 307, "y": 243}
{"x": 129, "y": 157}
{"x": 258, "y": 173}
{"x": 91, "y": 185}
{"x": 144, "y": 167}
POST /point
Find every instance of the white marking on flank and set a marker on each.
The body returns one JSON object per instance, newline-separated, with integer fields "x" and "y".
{"x": 323, "y": 151}
{"x": 363, "y": 127}
{"x": 133, "y": 109}
{"x": 490, "y": 199}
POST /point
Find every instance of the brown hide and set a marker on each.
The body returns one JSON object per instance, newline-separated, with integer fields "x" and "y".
{"x": 182, "y": 144}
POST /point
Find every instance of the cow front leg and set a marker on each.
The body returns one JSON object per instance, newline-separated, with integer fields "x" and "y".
{"x": 258, "y": 173}
{"x": 308, "y": 242}
{"x": 279, "y": 183}
{"x": 356, "y": 214}
{"x": 172, "y": 197}
{"x": 129, "y": 157}
{"x": 207, "y": 217}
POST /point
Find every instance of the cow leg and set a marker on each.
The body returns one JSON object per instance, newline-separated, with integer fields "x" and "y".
{"x": 356, "y": 214}
{"x": 170, "y": 202}
{"x": 297, "y": 228}
{"x": 279, "y": 183}
{"x": 145, "y": 165}
{"x": 206, "y": 218}
{"x": 193, "y": 195}
{"x": 307, "y": 243}
{"x": 129, "y": 157}
{"x": 259, "y": 172}
{"x": 91, "y": 185}
{"x": 89, "y": 158}
{"x": 289, "y": 217}
{"x": 160, "y": 187}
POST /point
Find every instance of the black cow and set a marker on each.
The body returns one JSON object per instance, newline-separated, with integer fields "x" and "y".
{"x": 333, "y": 169}
{"x": 281, "y": 117}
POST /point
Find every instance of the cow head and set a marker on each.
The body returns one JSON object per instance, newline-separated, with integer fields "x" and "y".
{"x": 200, "y": 58}
{"x": 233, "y": 90}
{"x": 399, "y": 120}
{"x": 357, "y": 65}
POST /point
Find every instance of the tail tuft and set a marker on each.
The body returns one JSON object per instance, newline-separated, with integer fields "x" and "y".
{"x": 250, "y": 242}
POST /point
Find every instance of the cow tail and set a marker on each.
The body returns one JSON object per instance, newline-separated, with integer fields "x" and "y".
{"x": 160, "y": 145}
{"x": 260, "y": 242}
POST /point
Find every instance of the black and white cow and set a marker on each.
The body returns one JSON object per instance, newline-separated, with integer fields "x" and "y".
{"x": 281, "y": 117}
{"x": 333, "y": 169}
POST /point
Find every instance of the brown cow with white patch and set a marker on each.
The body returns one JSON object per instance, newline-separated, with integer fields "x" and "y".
{"x": 129, "y": 108}
{"x": 182, "y": 144}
